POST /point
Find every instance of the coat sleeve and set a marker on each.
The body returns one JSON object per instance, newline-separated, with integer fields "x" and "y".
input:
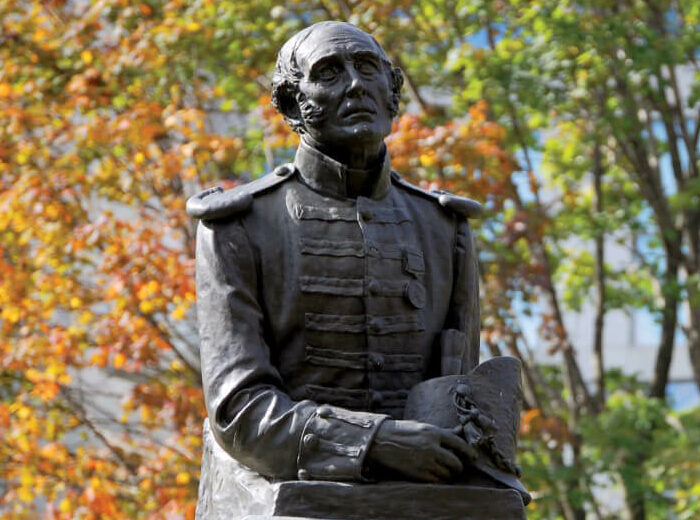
{"x": 252, "y": 418}
{"x": 459, "y": 340}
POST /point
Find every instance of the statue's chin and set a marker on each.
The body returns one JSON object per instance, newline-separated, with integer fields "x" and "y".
{"x": 362, "y": 134}
{"x": 350, "y": 132}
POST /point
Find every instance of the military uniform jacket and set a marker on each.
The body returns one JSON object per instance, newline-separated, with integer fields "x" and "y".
{"x": 318, "y": 312}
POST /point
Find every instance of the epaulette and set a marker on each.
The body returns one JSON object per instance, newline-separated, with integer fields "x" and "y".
{"x": 463, "y": 206}
{"x": 216, "y": 203}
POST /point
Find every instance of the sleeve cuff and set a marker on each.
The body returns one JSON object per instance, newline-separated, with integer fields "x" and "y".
{"x": 335, "y": 442}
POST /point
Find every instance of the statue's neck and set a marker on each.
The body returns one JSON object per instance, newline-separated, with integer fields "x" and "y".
{"x": 361, "y": 157}
{"x": 326, "y": 173}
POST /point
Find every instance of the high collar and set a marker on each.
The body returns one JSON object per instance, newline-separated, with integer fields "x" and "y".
{"x": 326, "y": 175}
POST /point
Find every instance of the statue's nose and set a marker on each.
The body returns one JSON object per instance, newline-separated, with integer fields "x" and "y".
{"x": 356, "y": 86}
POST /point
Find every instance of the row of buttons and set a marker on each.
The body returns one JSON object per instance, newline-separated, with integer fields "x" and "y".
{"x": 413, "y": 291}
{"x": 375, "y": 361}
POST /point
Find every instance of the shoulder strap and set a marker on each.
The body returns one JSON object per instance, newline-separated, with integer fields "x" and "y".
{"x": 461, "y": 205}
{"x": 466, "y": 207}
{"x": 216, "y": 203}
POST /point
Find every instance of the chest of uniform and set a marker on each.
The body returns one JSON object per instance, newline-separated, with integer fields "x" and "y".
{"x": 359, "y": 258}
{"x": 359, "y": 280}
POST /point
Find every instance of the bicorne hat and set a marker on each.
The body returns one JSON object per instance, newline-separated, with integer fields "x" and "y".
{"x": 483, "y": 407}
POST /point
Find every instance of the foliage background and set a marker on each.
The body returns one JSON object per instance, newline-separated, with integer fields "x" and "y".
{"x": 566, "y": 118}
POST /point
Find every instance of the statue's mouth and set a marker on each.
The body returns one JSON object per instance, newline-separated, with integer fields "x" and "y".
{"x": 358, "y": 113}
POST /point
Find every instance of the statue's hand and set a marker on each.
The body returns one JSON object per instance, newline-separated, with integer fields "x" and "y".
{"x": 419, "y": 451}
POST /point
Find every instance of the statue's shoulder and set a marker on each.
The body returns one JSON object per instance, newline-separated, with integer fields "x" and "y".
{"x": 463, "y": 206}
{"x": 215, "y": 203}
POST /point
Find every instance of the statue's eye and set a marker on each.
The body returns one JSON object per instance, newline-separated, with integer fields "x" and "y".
{"x": 366, "y": 67}
{"x": 327, "y": 72}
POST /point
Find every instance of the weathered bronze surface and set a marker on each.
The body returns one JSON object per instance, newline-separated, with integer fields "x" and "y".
{"x": 329, "y": 288}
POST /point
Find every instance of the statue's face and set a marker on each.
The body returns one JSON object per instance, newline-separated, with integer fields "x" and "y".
{"x": 345, "y": 91}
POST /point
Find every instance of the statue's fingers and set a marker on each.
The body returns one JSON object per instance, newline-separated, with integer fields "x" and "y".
{"x": 458, "y": 445}
{"x": 441, "y": 472}
{"x": 425, "y": 476}
{"x": 449, "y": 460}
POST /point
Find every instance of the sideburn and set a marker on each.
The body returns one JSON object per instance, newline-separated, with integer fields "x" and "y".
{"x": 311, "y": 113}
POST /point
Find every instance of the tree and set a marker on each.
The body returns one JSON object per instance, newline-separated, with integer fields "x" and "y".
{"x": 594, "y": 88}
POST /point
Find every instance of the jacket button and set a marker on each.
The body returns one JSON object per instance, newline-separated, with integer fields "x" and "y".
{"x": 415, "y": 294}
{"x": 310, "y": 440}
{"x": 376, "y": 361}
{"x": 303, "y": 474}
{"x": 373, "y": 287}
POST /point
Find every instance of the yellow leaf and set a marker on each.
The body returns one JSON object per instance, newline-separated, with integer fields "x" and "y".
{"x": 54, "y": 369}
{"x": 24, "y": 412}
{"x": 182, "y": 478}
{"x": 25, "y": 495}
{"x": 427, "y": 159}
{"x": 86, "y": 57}
{"x": 26, "y": 478}
{"x": 146, "y": 414}
{"x": 33, "y": 375}
{"x": 178, "y": 313}
{"x": 119, "y": 360}
{"x": 148, "y": 290}
{"x": 11, "y": 314}
{"x": 5, "y": 90}
{"x": 99, "y": 359}
{"x": 65, "y": 506}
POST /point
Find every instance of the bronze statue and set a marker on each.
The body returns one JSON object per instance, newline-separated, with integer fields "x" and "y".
{"x": 328, "y": 289}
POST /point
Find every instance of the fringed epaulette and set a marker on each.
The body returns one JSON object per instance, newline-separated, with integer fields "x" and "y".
{"x": 468, "y": 208}
{"x": 215, "y": 203}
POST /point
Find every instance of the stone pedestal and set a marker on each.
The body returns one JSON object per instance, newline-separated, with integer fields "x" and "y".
{"x": 394, "y": 501}
{"x": 229, "y": 491}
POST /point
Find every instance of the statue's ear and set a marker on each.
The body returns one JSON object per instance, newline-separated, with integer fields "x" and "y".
{"x": 284, "y": 99}
{"x": 396, "y": 79}
{"x": 396, "y": 84}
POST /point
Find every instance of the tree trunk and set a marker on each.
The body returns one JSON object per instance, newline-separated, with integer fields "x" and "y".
{"x": 599, "y": 366}
{"x": 668, "y": 330}
{"x": 636, "y": 510}
{"x": 569, "y": 371}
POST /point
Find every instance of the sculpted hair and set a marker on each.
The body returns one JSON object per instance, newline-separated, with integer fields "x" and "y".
{"x": 288, "y": 74}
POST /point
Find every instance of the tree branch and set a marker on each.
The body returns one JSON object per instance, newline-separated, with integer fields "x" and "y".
{"x": 84, "y": 419}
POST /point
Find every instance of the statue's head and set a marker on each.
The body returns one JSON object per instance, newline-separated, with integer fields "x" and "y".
{"x": 335, "y": 85}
